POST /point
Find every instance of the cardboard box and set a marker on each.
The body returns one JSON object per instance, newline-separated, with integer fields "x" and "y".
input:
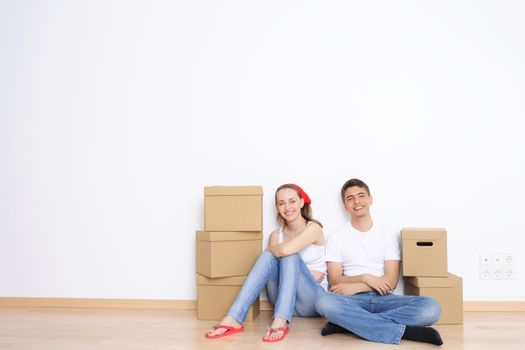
{"x": 424, "y": 252}
{"x": 216, "y": 295}
{"x": 448, "y": 292}
{"x": 233, "y": 208}
{"x": 227, "y": 254}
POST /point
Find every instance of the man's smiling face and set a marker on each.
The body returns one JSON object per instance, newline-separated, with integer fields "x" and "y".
{"x": 357, "y": 201}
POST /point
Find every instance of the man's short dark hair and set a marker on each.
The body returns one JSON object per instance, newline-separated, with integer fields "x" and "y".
{"x": 352, "y": 183}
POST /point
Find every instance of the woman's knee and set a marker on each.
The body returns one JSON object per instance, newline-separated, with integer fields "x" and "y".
{"x": 289, "y": 260}
{"x": 293, "y": 257}
{"x": 267, "y": 256}
{"x": 264, "y": 262}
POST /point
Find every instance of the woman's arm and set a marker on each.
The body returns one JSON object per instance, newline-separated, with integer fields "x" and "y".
{"x": 312, "y": 234}
{"x": 274, "y": 239}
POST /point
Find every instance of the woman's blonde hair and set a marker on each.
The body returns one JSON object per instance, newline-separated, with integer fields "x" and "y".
{"x": 306, "y": 210}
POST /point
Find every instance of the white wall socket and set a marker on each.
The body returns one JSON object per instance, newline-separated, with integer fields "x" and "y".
{"x": 485, "y": 273}
{"x": 509, "y": 259}
{"x": 485, "y": 259}
{"x": 497, "y": 274}
{"x": 497, "y": 266}
{"x": 504, "y": 259}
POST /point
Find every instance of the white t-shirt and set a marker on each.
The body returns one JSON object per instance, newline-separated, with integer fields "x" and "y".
{"x": 363, "y": 252}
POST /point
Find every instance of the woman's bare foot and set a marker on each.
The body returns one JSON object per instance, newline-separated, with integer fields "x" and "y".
{"x": 278, "y": 322}
{"x": 226, "y": 321}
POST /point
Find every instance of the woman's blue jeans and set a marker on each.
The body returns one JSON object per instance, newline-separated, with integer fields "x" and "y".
{"x": 380, "y": 318}
{"x": 290, "y": 287}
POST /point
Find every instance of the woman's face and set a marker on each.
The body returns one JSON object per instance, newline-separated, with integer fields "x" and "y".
{"x": 289, "y": 204}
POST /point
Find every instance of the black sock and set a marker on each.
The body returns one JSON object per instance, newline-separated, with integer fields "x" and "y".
{"x": 332, "y": 328}
{"x": 422, "y": 334}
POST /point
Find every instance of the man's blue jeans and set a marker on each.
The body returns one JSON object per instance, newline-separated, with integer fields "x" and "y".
{"x": 376, "y": 317}
{"x": 290, "y": 286}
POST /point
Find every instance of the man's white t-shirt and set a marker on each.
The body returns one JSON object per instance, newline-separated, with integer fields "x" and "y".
{"x": 363, "y": 252}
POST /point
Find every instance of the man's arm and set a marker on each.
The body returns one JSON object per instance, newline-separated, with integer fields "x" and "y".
{"x": 383, "y": 285}
{"x": 392, "y": 272}
{"x": 386, "y": 283}
{"x": 344, "y": 284}
{"x": 335, "y": 274}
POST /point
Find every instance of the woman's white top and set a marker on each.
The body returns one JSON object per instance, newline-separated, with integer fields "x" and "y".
{"x": 313, "y": 257}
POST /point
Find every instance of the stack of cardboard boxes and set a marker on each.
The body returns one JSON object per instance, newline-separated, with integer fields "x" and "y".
{"x": 227, "y": 248}
{"x": 425, "y": 271}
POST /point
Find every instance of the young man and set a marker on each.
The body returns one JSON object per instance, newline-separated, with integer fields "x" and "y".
{"x": 363, "y": 269}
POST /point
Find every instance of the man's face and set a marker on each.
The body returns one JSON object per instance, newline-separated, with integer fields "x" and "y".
{"x": 357, "y": 201}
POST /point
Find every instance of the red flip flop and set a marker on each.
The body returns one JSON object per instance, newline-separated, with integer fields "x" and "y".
{"x": 229, "y": 331}
{"x": 284, "y": 331}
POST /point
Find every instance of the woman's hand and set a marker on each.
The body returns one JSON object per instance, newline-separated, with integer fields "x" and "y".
{"x": 379, "y": 284}
{"x": 318, "y": 276}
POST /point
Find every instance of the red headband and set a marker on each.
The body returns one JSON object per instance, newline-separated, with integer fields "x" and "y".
{"x": 303, "y": 194}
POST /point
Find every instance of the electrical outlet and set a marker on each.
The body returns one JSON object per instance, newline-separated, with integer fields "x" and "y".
{"x": 498, "y": 274}
{"x": 485, "y": 259}
{"x": 484, "y": 274}
{"x": 503, "y": 259}
{"x": 497, "y": 266}
{"x": 498, "y": 259}
{"x": 509, "y": 259}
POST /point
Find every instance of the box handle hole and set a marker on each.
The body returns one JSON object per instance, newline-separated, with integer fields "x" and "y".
{"x": 425, "y": 244}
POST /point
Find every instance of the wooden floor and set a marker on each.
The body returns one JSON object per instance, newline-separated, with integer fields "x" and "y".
{"x": 78, "y": 329}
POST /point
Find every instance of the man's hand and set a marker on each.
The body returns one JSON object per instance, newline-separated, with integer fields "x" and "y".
{"x": 379, "y": 284}
{"x": 348, "y": 288}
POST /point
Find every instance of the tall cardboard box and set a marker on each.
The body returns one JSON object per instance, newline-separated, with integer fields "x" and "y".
{"x": 424, "y": 252}
{"x": 227, "y": 254}
{"x": 215, "y": 296}
{"x": 233, "y": 208}
{"x": 448, "y": 291}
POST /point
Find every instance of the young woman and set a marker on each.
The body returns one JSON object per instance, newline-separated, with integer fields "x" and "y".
{"x": 293, "y": 268}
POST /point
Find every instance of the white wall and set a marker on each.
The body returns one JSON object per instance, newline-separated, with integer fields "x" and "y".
{"x": 115, "y": 114}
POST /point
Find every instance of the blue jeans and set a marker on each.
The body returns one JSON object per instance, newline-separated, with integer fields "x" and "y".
{"x": 375, "y": 317}
{"x": 291, "y": 287}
